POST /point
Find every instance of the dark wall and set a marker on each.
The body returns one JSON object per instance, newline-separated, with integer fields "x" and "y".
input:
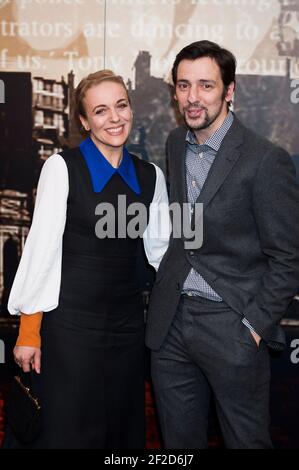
{"x": 16, "y": 156}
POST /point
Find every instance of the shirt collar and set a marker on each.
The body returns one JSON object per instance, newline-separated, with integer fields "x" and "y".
{"x": 215, "y": 140}
{"x": 101, "y": 170}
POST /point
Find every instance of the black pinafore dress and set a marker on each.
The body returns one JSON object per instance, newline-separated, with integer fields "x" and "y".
{"x": 92, "y": 381}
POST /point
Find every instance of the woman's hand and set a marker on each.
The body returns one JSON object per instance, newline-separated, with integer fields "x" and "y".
{"x": 28, "y": 357}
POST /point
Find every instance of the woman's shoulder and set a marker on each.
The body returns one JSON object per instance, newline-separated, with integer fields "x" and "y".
{"x": 146, "y": 165}
{"x": 69, "y": 153}
{"x": 149, "y": 172}
{"x": 54, "y": 163}
{"x": 55, "y": 171}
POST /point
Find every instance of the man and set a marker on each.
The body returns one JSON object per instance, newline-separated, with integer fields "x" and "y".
{"x": 215, "y": 310}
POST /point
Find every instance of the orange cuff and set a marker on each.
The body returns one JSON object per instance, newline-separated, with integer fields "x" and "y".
{"x": 29, "y": 331}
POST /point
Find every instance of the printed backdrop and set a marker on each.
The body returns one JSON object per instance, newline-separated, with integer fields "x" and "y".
{"x": 47, "y": 46}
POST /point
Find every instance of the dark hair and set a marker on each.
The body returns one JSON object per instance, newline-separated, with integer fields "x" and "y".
{"x": 224, "y": 58}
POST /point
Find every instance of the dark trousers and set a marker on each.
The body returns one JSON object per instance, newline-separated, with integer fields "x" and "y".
{"x": 209, "y": 351}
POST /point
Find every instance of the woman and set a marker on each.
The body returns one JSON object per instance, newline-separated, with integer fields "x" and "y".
{"x": 89, "y": 353}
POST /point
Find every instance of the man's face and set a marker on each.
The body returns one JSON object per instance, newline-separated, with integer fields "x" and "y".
{"x": 201, "y": 96}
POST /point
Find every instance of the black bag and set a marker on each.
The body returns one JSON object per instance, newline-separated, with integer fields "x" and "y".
{"x": 23, "y": 411}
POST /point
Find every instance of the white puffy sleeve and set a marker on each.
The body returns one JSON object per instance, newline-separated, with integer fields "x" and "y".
{"x": 156, "y": 235}
{"x": 37, "y": 282}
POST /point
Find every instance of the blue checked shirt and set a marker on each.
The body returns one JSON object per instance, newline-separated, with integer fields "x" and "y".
{"x": 199, "y": 159}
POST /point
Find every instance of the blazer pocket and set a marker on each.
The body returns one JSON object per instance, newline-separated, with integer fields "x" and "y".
{"x": 249, "y": 337}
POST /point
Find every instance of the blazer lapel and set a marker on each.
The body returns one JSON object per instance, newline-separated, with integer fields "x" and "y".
{"x": 226, "y": 158}
{"x": 180, "y": 170}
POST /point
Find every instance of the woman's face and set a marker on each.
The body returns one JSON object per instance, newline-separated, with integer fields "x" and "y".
{"x": 108, "y": 115}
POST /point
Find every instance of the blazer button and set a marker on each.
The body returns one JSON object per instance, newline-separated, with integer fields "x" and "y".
{"x": 178, "y": 286}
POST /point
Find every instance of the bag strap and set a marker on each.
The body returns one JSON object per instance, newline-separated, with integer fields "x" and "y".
{"x": 25, "y": 378}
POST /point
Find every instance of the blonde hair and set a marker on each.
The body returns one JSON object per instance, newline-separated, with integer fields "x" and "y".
{"x": 90, "y": 81}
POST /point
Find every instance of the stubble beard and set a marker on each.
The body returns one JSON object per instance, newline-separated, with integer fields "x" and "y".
{"x": 208, "y": 119}
{"x": 205, "y": 123}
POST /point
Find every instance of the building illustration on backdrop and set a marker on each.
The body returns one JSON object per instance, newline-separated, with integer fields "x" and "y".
{"x": 263, "y": 101}
{"x": 46, "y": 125}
